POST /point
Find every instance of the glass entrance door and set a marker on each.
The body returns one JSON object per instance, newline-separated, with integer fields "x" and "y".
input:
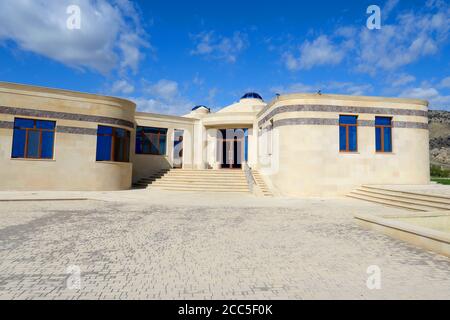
{"x": 231, "y": 148}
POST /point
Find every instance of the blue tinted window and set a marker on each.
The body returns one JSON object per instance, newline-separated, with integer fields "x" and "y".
{"x": 383, "y": 134}
{"x": 151, "y": 140}
{"x": 352, "y": 137}
{"x": 104, "y": 144}
{"x": 348, "y": 119}
{"x": 104, "y": 130}
{"x": 33, "y": 144}
{"x": 18, "y": 147}
{"x": 342, "y": 138}
{"x": 378, "y": 139}
{"x": 383, "y": 121}
{"x": 387, "y": 139}
{"x": 138, "y": 144}
{"x": 348, "y": 135}
{"x": 162, "y": 144}
{"x": 33, "y": 138}
{"x": 23, "y": 123}
{"x": 47, "y": 144}
{"x": 50, "y": 125}
{"x": 113, "y": 144}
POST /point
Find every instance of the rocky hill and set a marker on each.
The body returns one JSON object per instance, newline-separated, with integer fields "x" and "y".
{"x": 439, "y": 137}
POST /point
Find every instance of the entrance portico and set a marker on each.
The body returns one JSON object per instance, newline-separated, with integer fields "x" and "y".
{"x": 232, "y": 148}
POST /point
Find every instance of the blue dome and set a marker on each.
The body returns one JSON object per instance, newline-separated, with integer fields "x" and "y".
{"x": 200, "y": 106}
{"x": 252, "y": 95}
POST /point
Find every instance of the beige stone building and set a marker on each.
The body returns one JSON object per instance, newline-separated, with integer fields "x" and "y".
{"x": 300, "y": 144}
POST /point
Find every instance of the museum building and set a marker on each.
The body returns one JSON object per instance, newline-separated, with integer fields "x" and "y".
{"x": 300, "y": 144}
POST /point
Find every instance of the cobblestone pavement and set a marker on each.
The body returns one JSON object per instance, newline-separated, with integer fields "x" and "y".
{"x": 138, "y": 249}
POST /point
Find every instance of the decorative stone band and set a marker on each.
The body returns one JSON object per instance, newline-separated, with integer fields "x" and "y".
{"x": 343, "y": 109}
{"x": 76, "y": 130}
{"x": 335, "y": 122}
{"x": 61, "y": 129}
{"x": 6, "y": 125}
{"x": 64, "y": 116}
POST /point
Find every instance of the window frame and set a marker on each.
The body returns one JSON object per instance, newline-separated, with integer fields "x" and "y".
{"x": 34, "y": 129}
{"x": 114, "y": 138}
{"x": 381, "y": 127}
{"x": 158, "y": 135}
{"x": 347, "y": 134}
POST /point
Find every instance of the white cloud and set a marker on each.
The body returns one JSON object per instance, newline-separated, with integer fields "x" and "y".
{"x": 198, "y": 81}
{"x": 218, "y": 47}
{"x": 110, "y": 35}
{"x": 294, "y": 88}
{"x": 212, "y": 93}
{"x": 328, "y": 87}
{"x": 445, "y": 83}
{"x": 436, "y": 99}
{"x": 122, "y": 87}
{"x": 164, "y": 89}
{"x": 388, "y": 7}
{"x": 319, "y": 52}
{"x": 402, "y": 80}
{"x": 411, "y": 36}
{"x": 175, "y": 107}
{"x": 164, "y": 97}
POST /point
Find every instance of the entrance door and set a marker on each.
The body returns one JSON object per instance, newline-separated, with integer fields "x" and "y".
{"x": 178, "y": 149}
{"x": 231, "y": 143}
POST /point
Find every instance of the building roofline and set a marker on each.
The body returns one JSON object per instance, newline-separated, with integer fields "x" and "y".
{"x": 143, "y": 115}
{"x": 287, "y": 97}
{"x": 63, "y": 92}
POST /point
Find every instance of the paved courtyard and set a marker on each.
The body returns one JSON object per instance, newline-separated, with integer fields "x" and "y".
{"x": 142, "y": 245}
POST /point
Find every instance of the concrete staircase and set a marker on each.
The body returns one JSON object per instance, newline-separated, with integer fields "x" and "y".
{"x": 145, "y": 182}
{"x": 401, "y": 199}
{"x": 261, "y": 184}
{"x": 201, "y": 181}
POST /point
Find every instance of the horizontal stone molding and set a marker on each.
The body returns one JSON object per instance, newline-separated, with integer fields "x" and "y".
{"x": 335, "y": 122}
{"x": 6, "y": 125}
{"x": 76, "y": 130}
{"x": 343, "y": 110}
{"x": 60, "y": 129}
{"x": 64, "y": 116}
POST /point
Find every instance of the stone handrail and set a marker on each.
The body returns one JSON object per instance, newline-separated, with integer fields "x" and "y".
{"x": 248, "y": 174}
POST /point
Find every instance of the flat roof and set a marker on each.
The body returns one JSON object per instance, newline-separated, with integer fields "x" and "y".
{"x": 63, "y": 92}
{"x": 348, "y": 97}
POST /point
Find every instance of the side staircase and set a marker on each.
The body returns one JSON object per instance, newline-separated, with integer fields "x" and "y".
{"x": 261, "y": 184}
{"x": 198, "y": 180}
{"x": 401, "y": 199}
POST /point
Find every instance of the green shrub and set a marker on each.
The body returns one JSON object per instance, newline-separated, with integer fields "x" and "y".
{"x": 437, "y": 171}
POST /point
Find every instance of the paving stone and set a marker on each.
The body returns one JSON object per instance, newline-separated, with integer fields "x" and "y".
{"x": 136, "y": 249}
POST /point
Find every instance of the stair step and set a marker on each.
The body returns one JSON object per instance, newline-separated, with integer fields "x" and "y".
{"x": 407, "y": 194}
{"x": 207, "y": 173}
{"x": 387, "y": 202}
{"x": 201, "y": 189}
{"x": 406, "y": 201}
{"x": 197, "y": 183}
{"x": 204, "y": 176}
{"x": 215, "y": 181}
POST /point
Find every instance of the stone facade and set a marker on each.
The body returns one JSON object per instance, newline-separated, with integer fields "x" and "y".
{"x": 293, "y": 141}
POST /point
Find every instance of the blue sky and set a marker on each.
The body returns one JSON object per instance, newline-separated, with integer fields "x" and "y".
{"x": 168, "y": 56}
